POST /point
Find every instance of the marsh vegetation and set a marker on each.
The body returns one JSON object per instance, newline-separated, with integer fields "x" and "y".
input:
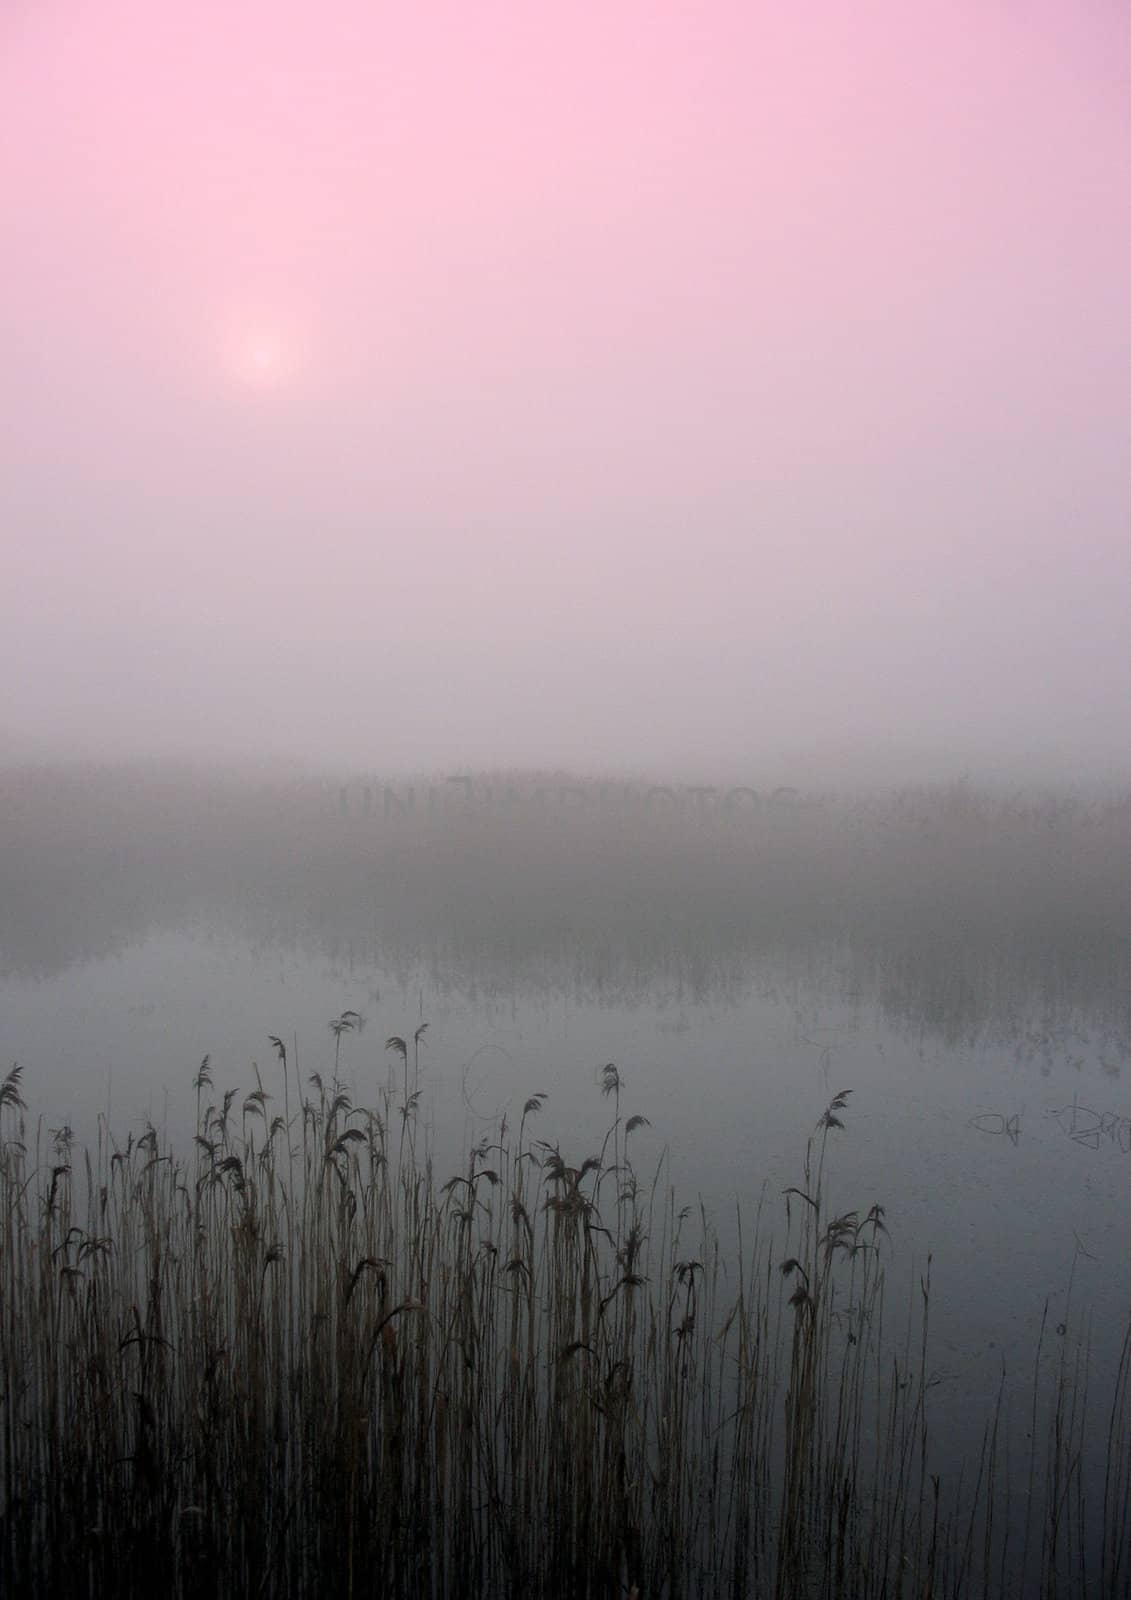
{"x": 296, "y": 1361}
{"x": 289, "y": 1338}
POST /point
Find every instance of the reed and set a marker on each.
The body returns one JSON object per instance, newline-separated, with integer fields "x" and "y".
{"x": 292, "y": 1362}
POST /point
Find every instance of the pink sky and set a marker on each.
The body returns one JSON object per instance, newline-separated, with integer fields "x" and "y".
{"x": 709, "y": 384}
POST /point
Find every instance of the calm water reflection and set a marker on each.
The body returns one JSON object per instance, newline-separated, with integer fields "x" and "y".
{"x": 961, "y": 968}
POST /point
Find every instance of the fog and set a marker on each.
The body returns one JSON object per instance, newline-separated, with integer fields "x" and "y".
{"x": 715, "y": 391}
{"x": 956, "y": 912}
{"x": 564, "y": 575}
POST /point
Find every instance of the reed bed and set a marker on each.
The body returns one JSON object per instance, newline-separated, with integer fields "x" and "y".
{"x": 295, "y": 1363}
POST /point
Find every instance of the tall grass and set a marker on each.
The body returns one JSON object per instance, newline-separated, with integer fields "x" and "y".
{"x": 294, "y": 1362}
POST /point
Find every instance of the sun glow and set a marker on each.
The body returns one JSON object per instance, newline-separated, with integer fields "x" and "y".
{"x": 263, "y": 359}
{"x": 261, "y": 355}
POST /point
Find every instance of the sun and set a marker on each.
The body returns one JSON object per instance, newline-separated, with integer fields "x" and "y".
{"x": 262, "y": 349}
{"x": 264, "y": 359}
{"x": 259, "y": 353}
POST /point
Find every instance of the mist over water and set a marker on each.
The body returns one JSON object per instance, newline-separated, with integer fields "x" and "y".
{"x": 544, "y": 908}
{"x": 956, "y": 958}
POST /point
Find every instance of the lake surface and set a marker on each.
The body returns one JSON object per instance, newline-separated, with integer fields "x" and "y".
{"x": 982, "y": 1026}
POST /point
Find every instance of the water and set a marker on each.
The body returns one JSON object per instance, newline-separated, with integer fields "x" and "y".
{"x": 990, "y": 1111}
